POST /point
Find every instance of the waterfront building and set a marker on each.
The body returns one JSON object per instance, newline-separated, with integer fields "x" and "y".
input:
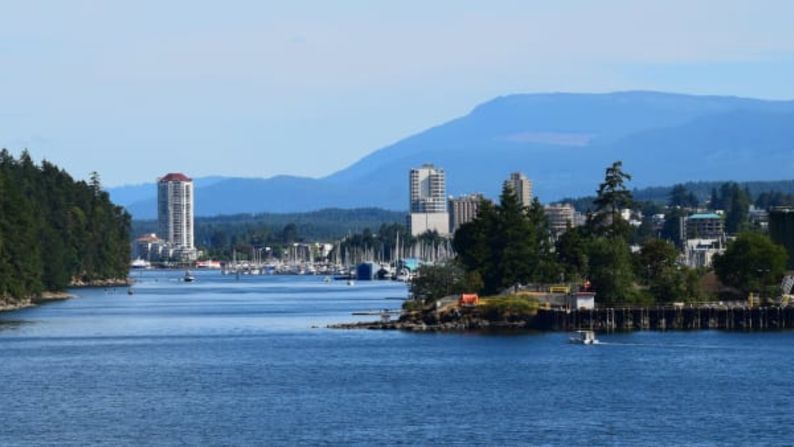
{"x": 150, "y": 248}
{"x": 704, "y": 226}
{"x": 781, "y": 230}
{"x": 175, "y": 214}
{"x": 560, "y": 217}
{"x": 522, "y": 186}
{"x": 428, "y": 201}
{"x": 463, "y": 210}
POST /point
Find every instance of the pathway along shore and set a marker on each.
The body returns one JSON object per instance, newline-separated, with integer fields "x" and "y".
{"x": 604, "y": 319}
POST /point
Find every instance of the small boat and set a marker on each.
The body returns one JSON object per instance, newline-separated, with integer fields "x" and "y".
{"x": 188, "y": 276}
{"x": 583, "y": 338}
{"x": 350, "y": 282}
{"x": 129, "y": 291}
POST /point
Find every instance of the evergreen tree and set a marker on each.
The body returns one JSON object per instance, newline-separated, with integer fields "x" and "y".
{"x": 54, "y": 231}
{"x": 612, "y": 197}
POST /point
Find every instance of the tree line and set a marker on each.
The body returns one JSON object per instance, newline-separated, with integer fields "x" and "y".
{"x": 508, "y": 244}
{"x": 55, "y": 231}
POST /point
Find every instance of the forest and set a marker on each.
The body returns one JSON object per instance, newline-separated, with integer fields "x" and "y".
{"x": 56, "y": 231}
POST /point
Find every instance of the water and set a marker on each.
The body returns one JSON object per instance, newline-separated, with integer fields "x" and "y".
{"x": 222, "y": 362}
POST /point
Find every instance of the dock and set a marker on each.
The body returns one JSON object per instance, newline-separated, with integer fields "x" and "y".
{"x": 667, "y": 318}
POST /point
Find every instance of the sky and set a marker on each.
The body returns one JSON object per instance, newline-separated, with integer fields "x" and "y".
{"x": 257, "y": 88}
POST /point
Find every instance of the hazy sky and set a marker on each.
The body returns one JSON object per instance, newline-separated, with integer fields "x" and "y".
{"x": 254, "y": 88}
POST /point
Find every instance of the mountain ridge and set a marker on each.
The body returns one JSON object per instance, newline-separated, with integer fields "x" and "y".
{"x": 563, "y": 141}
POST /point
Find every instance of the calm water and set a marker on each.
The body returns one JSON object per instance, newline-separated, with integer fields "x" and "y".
{"x": 225, "y": 362}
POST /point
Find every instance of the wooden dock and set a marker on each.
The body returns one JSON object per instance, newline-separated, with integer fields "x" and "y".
{"x": 667, "y": 318}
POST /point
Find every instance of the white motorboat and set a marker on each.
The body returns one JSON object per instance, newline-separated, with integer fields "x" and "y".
{"x": 188, "y": 276}
{"x": 583, "y": 338}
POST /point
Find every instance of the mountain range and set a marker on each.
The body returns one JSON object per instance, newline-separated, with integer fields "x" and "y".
{"x": 562, "y": 141}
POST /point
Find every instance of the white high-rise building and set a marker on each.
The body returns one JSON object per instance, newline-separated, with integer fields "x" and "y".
{"x": 175, "y": 214}
{"x": 522, "y": 187}
{"x": 428, "y": 205}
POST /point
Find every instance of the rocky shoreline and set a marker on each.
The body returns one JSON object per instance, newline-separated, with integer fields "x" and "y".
{"x": 450, "y": 319}
{"x": 8, "y": 305}
{"x": 474, "y": 325}
{"x": 100, "y": 283}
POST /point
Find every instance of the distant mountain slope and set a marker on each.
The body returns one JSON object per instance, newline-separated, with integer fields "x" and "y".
{"x": 322, "y": 225}
{"x": 562, "y": 141}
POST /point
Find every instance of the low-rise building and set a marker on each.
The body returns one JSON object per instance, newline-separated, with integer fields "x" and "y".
{"x": 704, "y": 226}
{"x": 150, "y": 248}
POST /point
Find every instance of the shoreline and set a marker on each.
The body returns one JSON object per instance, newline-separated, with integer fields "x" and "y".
{"x": 746, "y": 318}
{"x": 55, "y": 296}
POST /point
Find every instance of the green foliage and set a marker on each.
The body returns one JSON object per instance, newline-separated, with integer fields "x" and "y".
{"x": 572, "y": 253}
{"x": 507, "y": 244}
{"x": 751, "y": 263}
{"x": 437, "y": 281}
{"x": 681, "y": 197}
{"x": 666, "y": 280}
{"x": 612, "y": 196}
{"x": 768, "y": 200}
{"x": 220, "y": 235}
{"x": 736, "y": 203}
{"x": 671, "y": 229}
{"x": 54, "y": 230}
{"x": 509, "y": 307}
{"x": 611, "y": 272}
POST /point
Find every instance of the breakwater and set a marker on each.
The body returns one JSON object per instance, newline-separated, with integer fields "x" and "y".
{"x": 666, "y": 318}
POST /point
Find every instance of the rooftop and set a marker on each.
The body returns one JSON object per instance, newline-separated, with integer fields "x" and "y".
{"x": 705, "y": 216}
{"x": 175, "y": 177}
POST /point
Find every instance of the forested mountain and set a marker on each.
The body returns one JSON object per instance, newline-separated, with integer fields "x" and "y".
{"x": 560, "y": 140}
{"x": 223, "y": 233}
{"x": 55, "y": 231}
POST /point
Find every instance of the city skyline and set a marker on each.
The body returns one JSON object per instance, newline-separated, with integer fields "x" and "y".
{"x": 109, "y": 87}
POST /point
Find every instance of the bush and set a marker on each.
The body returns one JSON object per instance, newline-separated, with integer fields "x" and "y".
{"x": 508, "y": 307}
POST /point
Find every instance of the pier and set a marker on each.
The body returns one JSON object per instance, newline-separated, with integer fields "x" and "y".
{"x": 667, "y": 318}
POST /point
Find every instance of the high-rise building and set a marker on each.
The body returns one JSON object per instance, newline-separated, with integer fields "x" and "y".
{"x": 463, "y": 210}
{"x": 428, "y": 201}
{"x": 175, "y": 214}
{"x": 428, "y": 190}
{"x": 522, "y": 187}
{"x": 561, "y": 216}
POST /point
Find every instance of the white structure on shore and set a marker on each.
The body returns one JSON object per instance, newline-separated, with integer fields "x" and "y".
{"x": 428, "y": 207}
{"x": 522, "y": 186}
{"x": 175, "y": 214}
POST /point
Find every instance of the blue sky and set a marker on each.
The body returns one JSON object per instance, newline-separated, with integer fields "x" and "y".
{"x": 257, "y": 88}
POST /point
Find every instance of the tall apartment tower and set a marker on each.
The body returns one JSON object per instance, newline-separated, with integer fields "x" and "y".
{"x": 175, "y": 214}
{"x": 522, "y": 187}
{"x": 463, "y": 210}
{"x": 428, "y": 201}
